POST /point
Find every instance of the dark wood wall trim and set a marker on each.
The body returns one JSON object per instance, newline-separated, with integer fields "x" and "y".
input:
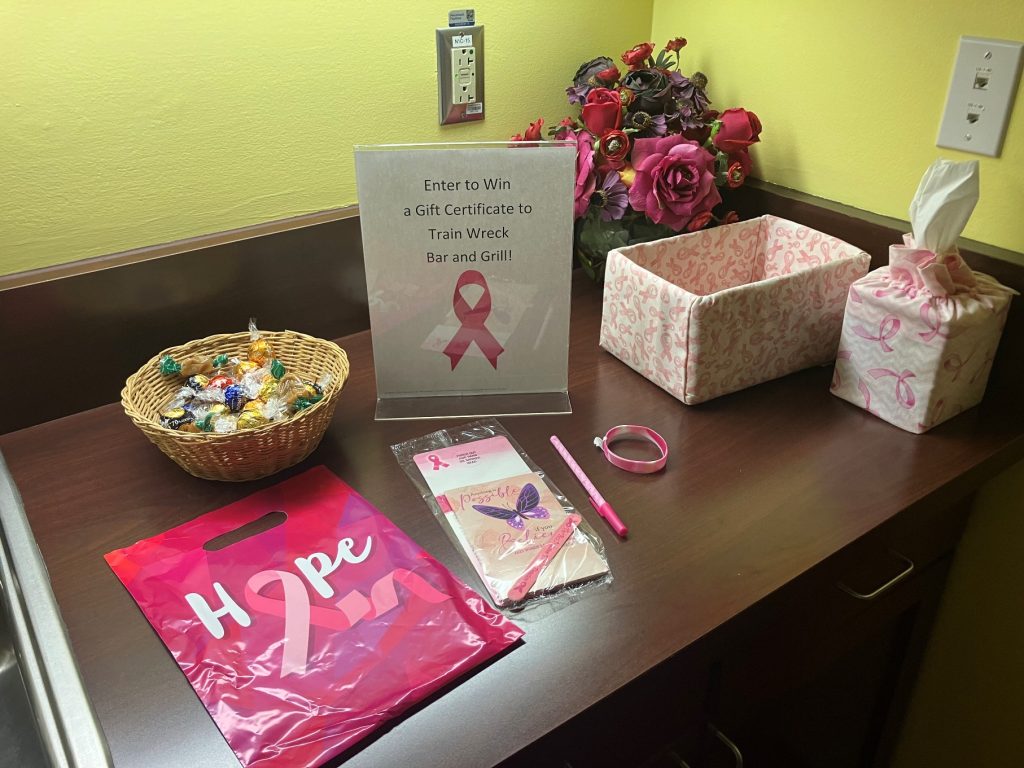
{"x": 73, "y": 341}
{"x": 198, "y": 243}
{"x": 73, "y": 334}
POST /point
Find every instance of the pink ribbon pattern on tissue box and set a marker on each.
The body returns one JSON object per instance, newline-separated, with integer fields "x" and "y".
{"x": 919, "y": 338}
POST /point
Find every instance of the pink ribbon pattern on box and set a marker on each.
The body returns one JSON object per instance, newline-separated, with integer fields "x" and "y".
{"x": 712, "y": 312}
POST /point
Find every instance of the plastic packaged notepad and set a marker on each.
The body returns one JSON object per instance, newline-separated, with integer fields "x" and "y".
{"x": 526, "y": 541}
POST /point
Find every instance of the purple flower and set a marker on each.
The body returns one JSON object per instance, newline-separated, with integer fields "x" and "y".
{"x": 690, "y": 100}
{"x": 648, "y": 125}
{"x": 577, "y": 93}
{"x": 611, "y": 197}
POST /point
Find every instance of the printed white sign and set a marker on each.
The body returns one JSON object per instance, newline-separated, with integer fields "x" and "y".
{"x": 468, "y": 253}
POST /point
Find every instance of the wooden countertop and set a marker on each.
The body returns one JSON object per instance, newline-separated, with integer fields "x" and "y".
{"x": 761, "y": 486}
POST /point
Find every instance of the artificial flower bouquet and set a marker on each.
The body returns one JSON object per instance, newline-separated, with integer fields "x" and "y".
{"x": 651, "y": 154}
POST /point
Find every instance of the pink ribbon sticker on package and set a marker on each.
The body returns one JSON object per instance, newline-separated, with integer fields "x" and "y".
{"x": 303, "y": 637}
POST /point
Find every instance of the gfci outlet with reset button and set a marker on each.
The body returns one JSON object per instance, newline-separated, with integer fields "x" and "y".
{"x": 460, "y": 74}
{"x": 981, "y": 95}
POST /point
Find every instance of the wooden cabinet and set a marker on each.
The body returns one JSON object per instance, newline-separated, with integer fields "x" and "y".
{"x": 814, "y": 676}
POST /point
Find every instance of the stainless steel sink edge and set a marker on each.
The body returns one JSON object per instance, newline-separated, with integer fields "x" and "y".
{"x": 67, "y": 726}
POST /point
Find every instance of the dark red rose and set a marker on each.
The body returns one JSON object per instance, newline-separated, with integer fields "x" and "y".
{"x": 609, "y": 76}
{"x": 603, "y": 111}
{"x": 675, "y": 44}
{"x": 699, "y": 221}
{"x": 739, "y": 130}
{"x": 635, "y": 57}
{"x": 566, "y": 129}
{"x": 741, "y": 158}
{"x": 735, "y": 176}
{"x": 533, "y": 132}
{"x": 614, "y": 146}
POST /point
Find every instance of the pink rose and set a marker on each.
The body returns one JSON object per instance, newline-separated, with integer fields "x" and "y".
{"x": 586, "y": 181}
{"x": 675, "y": 180}
{"x": 738, "y": 131}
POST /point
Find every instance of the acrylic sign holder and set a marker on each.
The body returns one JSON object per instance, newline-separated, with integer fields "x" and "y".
{"x": 468, "y": 254}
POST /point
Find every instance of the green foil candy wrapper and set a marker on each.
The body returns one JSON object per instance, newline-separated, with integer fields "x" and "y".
{"x": 277, "y": 369}
{"x": 168, "y": 366}
{"x": 302, "y": 403}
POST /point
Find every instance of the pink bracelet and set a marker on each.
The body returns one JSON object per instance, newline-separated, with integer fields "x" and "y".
{"x": 635, "y": 432}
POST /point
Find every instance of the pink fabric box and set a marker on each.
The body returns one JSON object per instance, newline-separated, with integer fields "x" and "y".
{"x": 711, "y": 312}
{"x": 919, "y": 338}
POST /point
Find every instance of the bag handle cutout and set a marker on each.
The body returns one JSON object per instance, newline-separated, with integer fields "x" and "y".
{"x": 253, "y": 528}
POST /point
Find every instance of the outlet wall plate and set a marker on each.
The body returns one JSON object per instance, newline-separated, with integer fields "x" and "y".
{"x": 981, "y": 94}
{"x": 460, "y": 74}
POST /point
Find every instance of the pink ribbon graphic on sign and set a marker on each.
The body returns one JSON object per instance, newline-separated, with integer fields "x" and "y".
{"x": 436, "y": 460}
{"x": 904, "y": 394}
{"x": 933, "y": 321}
{"x": 299, "y": 614}
{"x": 887, "y": 329}
{"x": 472, "y": 319}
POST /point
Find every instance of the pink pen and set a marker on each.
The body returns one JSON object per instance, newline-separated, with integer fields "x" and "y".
{"x": 547, "y": 553}
{"x": 604, "y": 509}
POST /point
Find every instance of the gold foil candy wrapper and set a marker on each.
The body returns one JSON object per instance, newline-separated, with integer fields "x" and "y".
{"x": 244, "y": 367}
{"x": 304, "y": 391}
{"x": 251, "y": 419}
{"x": 253, "y": 405}
{"x": 260, "y": 352}
{"x": 269, "y": 387}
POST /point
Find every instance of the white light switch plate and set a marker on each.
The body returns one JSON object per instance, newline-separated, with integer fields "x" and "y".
{"x": 981, "y": 94}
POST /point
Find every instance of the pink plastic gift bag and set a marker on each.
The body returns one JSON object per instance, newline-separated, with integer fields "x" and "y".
{"x": 302, "y": 639}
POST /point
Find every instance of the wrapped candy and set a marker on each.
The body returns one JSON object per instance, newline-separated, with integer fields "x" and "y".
{"x": 260, "y": 351}
{"x": 175, "y": 418}
{"x": 234, "y": 397}
{"x": 223, "y": 394}
{"x": 192, "y": 365}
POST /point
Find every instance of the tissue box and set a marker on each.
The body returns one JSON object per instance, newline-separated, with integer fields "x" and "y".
{"x": 915, "y": 358}
{"x": 711, "y": 312}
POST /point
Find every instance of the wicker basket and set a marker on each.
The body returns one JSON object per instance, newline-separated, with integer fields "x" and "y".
{"x": 247, "y": 454}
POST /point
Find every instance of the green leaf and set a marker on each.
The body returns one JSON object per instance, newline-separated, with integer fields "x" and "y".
{"x": 643, "y": 230}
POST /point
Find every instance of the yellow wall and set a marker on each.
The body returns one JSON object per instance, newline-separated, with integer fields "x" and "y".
{"x": 851, "y": 94}
{"x": 125, "y": 124}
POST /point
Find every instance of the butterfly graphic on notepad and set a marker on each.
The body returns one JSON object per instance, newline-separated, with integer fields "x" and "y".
{"x": 527, "y": 506}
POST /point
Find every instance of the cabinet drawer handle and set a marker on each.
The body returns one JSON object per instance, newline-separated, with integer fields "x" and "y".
{"x": 737, "y": 755}
{"x": 885, "y": 587}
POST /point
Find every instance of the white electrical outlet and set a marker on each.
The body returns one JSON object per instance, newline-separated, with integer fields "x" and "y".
{"x": 981, "y": 95}
{"x": 460, "y": 74}
{"x": 464, "y": 75}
